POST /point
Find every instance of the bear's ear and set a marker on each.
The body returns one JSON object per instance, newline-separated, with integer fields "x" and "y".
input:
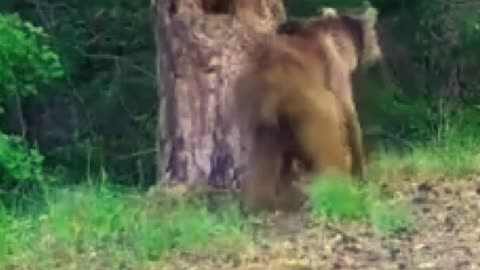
{"x": 370, "y": 16}
{"x": 328, "y": 12}
{"x": 371, "y": 48}
{"x": 290, "y": 27}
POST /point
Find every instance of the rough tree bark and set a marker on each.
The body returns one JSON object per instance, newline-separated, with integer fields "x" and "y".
{"x": 201, "y": 51}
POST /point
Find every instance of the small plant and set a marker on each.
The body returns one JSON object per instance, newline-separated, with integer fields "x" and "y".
{"x": 390, "y": 217}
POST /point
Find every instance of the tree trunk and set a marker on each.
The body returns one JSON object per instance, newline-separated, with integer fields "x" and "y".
{"x": 201, "y": 51}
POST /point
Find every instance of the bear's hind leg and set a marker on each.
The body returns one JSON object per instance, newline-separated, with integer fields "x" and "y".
{"x": 322, "y": 136}
{"x": 265, "y": 171}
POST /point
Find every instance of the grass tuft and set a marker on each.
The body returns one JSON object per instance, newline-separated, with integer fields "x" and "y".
{"x": 390, "y": 216}
{"x": 339, "y": 198}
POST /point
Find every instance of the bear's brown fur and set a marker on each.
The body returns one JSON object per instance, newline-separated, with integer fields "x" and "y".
{"x": 295, "y": 98}
{"x": 348, "y": 41}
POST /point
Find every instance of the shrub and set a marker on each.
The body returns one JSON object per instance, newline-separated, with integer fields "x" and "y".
{"x": 18, "y": 163}
{"x": 27, "y": 60}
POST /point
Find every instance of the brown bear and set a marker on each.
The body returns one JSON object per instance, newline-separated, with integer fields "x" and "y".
{"x": 295, "y": 99}
{"x": 350, "y": 42}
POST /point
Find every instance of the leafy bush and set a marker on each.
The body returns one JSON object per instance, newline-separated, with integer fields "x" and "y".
{"x": 18, "y": 163}
{"x": 22, "y": 174}
{"x": 27, "y": 60}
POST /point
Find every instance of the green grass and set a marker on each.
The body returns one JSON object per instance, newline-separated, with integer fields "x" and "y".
{"x": 338, "y": 198}
{"x": 455, "y": 154}
{"x": 100, "y": 227}
{"x": 426, "y": 162}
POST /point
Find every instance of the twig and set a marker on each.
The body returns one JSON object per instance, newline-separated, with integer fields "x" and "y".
{"x": 120, "y": 58}
{"x": 42, "y": 15}
{"x": 137, "y": 154}
{"x": 21, "y": 120}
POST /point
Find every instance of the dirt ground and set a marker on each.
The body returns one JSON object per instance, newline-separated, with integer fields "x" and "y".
{"x": 446, "y": 235}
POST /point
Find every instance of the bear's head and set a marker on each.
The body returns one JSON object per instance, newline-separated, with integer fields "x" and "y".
{"x": 357, "y": 29}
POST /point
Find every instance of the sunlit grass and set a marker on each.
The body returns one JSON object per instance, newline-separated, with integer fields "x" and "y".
{"x": 338, "y": 198}
{"x": 390, "y": 216}
{"x": 100, "y": 227}
{"x": 454, "y": 156}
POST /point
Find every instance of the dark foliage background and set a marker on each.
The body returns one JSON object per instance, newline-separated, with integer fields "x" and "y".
{"x": 101, "y": 116}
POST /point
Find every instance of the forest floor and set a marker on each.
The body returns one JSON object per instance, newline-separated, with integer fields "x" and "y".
{"x": 102, "y": 226}
{"x": 446, "y": 235}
